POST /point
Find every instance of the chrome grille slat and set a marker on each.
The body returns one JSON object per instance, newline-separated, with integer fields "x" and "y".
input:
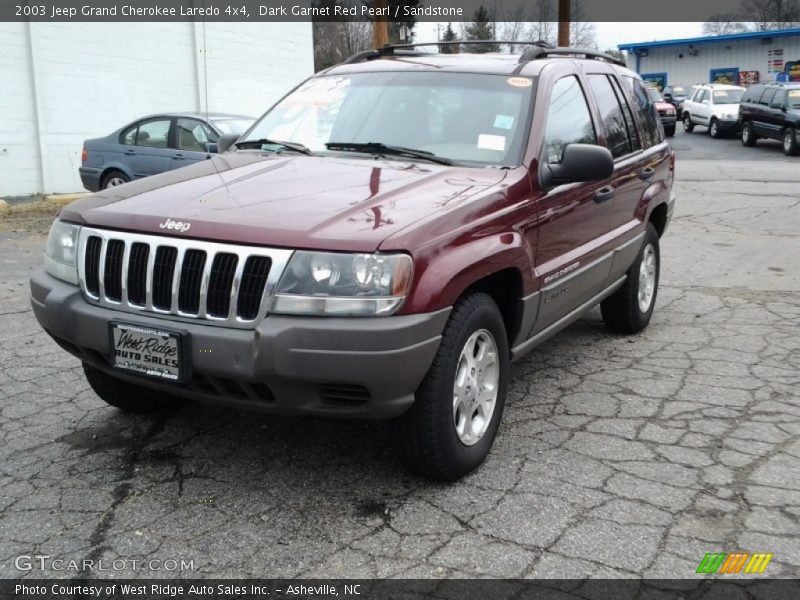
{"x": 184, "y": 296}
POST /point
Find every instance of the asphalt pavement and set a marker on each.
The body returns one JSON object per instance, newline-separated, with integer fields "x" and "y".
{"x": 618, "y": 456}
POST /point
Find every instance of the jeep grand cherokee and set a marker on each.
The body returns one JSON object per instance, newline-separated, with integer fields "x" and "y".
{"x": 382, "y": 243}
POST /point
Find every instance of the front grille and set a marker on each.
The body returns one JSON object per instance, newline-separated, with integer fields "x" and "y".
{"x": 224, "y": 284}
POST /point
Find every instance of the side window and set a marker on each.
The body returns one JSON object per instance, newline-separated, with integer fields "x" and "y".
{"x": 643, "y": 105}
{"x": 701, "y": 95}
{"x": 611, "y": 115}
{"x": 767, "y": 96}
{"x": 154, "y": 134}
{"x": 193, "y": 135}
{"x": 779, "y": 100}
{"x": 630, "y": 122}
{"x": 129, "y": 136}
{"x": 753, "y": 93}
{"x": 568, "y": 119}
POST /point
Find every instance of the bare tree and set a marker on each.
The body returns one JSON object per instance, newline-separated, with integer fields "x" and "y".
{"x": 771, "y": 14}
{"x": 335, "y": 41}
{"x": 724, "y": 24}
{"x": 582, "y": 34}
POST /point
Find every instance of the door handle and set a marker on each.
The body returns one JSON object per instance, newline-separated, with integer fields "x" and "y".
{"x": 130, "y": 153}
{"x": 177, "y": 156}
{"x": 603, "y": 194}
{"x": 646, "y": 173}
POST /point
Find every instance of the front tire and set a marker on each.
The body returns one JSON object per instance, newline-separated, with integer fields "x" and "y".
{"x": 714, "y": 129}
{"x": 748, "y": 135}
{"x": 628, "y": 310}
{"x": 790, "y": 142}
{"x": 128, "y": 397}
{"x": 449, "y": 430}
{"x": 688, "y": 126}
{"x": 669, "y": 131}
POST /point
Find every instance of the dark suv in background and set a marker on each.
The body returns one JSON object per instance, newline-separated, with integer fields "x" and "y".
{"x": 382, "y": 243}
{"x": 772, "y": 110}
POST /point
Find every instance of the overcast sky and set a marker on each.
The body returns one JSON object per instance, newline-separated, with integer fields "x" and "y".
{"x": 609, "y": 35}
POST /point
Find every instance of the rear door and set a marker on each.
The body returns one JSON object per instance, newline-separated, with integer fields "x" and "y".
{"x": 569, "y": 264}
{"x": 702, "y": 107}
{"x": 761, "y": 119}
{"x": 776, "y": 114}
{"x": 621, "y": 136}
{"x": 147, "y": 150}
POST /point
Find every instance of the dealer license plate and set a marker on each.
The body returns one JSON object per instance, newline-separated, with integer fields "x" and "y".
{"x": 146, "y": 351}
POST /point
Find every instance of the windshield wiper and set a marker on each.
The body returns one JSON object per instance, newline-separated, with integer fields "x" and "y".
{"x": 294, "y": 146}
{"x": 379, "y": 148}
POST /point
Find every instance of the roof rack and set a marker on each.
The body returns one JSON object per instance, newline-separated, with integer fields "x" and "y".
{"x": 407, "y": 49}
{"x": 540, "y": 49}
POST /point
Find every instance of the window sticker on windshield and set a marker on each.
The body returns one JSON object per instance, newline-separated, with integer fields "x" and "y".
{"x": 519, "y": 81}
{"x": 504, "y": 122}
{"x": 492, "y": 142}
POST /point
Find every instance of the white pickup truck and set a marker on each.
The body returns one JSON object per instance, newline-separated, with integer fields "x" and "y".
{"x": 715, "y": 106}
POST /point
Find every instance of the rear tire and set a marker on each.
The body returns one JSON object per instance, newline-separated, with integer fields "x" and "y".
{"x": 628, "y": 310}
{"x": 114, "y": 178}
{"x": 127, "y": 397}
{"x": 688, "y": 126}
{"x": 748, "y": 136}
{"x": 440, "y": 437}
{"x": 790, "y": 142}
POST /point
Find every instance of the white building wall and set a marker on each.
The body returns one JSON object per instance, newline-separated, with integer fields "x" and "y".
{"x": 75, "y": 81}
{"x": 746, "y": 55}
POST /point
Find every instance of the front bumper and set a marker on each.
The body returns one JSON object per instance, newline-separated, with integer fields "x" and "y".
{"x": 668, "y": 120}
{"x": 353, "y": 367}
{"x": 729, "y": 124}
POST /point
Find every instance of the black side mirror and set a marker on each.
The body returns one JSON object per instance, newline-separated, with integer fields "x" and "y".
{"x": 580, "y": 162}
{"x": 212, "y": 148}
{"x": 226, "y": 141}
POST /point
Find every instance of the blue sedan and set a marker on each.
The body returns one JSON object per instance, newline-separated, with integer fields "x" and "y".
{"x": 153, "y": 145}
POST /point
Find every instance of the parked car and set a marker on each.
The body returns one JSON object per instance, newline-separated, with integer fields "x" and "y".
{"x": 665, "y": 110}
{"x": 154, "y": 144}
{"x": 676, "y": 95}
{"x": 772, "y": 111}
{"x": 382, "y": 243}
{"x": 715, "y": 106}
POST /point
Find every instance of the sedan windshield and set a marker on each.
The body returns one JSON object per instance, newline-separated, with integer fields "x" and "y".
{"x": 679, "y": 91}
{"x": 728, "y": 96}
{"x": 655, "y": 95}
{"x": 467, "y": 118}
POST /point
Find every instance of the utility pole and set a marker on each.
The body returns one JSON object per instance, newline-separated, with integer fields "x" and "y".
{"x": 563, "y": 22}
{"x": 380, "y": 26}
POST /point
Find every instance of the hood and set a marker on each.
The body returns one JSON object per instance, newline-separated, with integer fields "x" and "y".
{"x": 291, "y": 201}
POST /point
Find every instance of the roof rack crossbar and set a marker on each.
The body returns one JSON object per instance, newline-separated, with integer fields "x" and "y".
{"x": 536, "y": 53}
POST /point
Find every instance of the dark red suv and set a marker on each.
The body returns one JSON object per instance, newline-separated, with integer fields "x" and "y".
{"x": 382, "y": 243}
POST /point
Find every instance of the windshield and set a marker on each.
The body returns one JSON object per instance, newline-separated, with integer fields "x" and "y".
{"x": 793, "y": 99}
{"x": 232, "y": 125}
{"x": 655, "y": 95}
{"x": 467, "y": 118}
{"x": 679, "y": 90}
{"x": 728, "y": 96}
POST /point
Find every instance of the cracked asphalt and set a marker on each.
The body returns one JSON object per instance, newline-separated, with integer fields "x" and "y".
{"x": 618, "y": 456}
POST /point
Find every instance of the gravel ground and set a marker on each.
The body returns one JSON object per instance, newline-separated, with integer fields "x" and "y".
{"x": 618, "y": 457}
